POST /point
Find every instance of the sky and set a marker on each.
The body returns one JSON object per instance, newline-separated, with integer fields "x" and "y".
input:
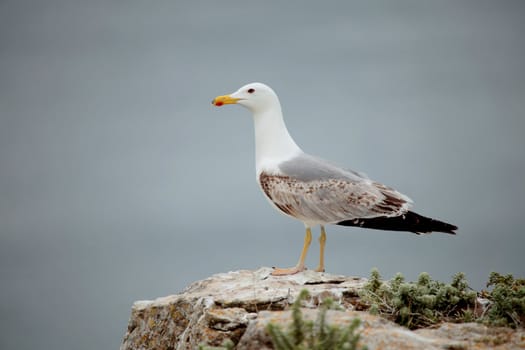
{"x": 119, "y": 181}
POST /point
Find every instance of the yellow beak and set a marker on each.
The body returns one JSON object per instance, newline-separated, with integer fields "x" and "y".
{"x": 224, "y": 100}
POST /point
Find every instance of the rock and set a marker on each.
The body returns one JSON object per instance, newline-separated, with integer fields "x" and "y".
{"x": 238, "y": 305}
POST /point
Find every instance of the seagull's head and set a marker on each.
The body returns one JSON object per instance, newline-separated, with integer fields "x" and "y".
{"x": 257, "y": 97}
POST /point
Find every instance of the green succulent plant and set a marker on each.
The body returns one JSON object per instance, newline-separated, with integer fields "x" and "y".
{"x": 427, "y": 301}
{"x": 419, "y": 304}
{"x": 507, "y": 299}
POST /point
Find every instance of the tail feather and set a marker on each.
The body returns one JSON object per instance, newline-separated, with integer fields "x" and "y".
{"x": 410, "y": 221}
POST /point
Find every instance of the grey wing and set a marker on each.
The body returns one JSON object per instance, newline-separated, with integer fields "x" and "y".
{"x": 306, "y": 167}
{"x": 318, "y": 192}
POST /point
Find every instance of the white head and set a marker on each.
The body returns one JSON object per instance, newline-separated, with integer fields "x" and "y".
{"x": 257, "y": 97}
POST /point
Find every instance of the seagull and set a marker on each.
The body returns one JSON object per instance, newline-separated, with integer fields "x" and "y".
{"x": 315, "y": 191}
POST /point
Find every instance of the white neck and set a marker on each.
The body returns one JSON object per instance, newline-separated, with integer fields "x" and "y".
{"x": 273, "y": 143}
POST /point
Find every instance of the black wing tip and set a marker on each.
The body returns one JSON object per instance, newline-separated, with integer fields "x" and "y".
{"x": 441, "y": 227}
{"x": 452, "y": 230}
{"x": 410, "y": 222}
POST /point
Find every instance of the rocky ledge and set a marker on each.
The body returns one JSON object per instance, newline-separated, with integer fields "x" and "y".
{"x": 238, "y": 305}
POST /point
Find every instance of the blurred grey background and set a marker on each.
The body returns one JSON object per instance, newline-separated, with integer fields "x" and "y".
{"x": 119, "y": 181}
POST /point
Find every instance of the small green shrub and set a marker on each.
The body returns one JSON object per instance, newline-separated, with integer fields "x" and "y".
{"x": 427, "y": 302}
{"x": 304, "y": 335}
{"x": 507, "y": 301}
{"x": 419, "y": 304}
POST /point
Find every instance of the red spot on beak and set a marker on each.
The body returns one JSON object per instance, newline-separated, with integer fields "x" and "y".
{"x": 218, "y": 104}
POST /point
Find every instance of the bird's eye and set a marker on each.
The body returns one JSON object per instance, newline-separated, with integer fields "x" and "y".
{"x": 251, "y": 91}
